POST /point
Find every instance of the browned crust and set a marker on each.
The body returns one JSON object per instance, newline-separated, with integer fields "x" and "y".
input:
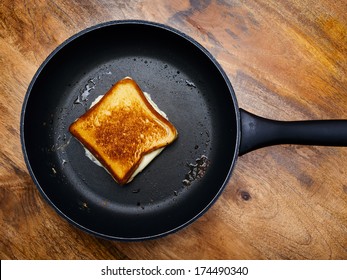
{"x": 128, "y": 175}
{"x": 97, "y": 155}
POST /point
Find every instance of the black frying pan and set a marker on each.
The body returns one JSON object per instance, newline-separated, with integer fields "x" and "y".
{"x": 189, "y": 85}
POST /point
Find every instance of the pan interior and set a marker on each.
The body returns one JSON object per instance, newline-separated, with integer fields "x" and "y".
{"x": 182, "y": 79}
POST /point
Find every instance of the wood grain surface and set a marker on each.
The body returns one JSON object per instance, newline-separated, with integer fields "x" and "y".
{"x": 287, "y": 60}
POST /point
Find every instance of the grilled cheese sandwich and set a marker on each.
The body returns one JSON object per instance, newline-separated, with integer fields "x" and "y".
{"x": 124, "y": 131}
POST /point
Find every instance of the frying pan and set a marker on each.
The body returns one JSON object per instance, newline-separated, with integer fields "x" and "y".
{"x": 187, "y": 83}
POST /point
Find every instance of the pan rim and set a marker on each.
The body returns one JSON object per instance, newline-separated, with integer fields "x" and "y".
{"x": 130, "y": 22}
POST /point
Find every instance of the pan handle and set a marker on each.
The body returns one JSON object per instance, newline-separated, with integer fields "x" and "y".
{"x": 258, "y": 132}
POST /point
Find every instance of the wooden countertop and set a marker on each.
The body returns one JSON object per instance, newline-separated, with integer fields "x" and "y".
{"x": 287, "y": 60}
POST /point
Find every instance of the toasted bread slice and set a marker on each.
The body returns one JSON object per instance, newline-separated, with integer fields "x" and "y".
{"x": 122, "y": 128}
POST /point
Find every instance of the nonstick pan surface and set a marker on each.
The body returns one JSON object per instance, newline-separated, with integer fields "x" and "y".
{"x": 183, "y": 79}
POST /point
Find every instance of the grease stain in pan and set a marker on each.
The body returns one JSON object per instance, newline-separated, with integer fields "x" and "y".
{"x": 87, "y": 89}
{"x": 197, "y": 170}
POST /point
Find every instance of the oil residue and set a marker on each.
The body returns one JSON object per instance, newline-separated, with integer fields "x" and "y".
{"x": 84, "y": 92}
{"x": 197, "y": 170}
{"x": 190, "y": 84}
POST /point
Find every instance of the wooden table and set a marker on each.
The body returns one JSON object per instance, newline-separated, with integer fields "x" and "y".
{"x": 287, "y": 60}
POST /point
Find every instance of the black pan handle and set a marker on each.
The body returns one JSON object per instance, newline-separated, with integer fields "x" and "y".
{"x": 258, "y": 132}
